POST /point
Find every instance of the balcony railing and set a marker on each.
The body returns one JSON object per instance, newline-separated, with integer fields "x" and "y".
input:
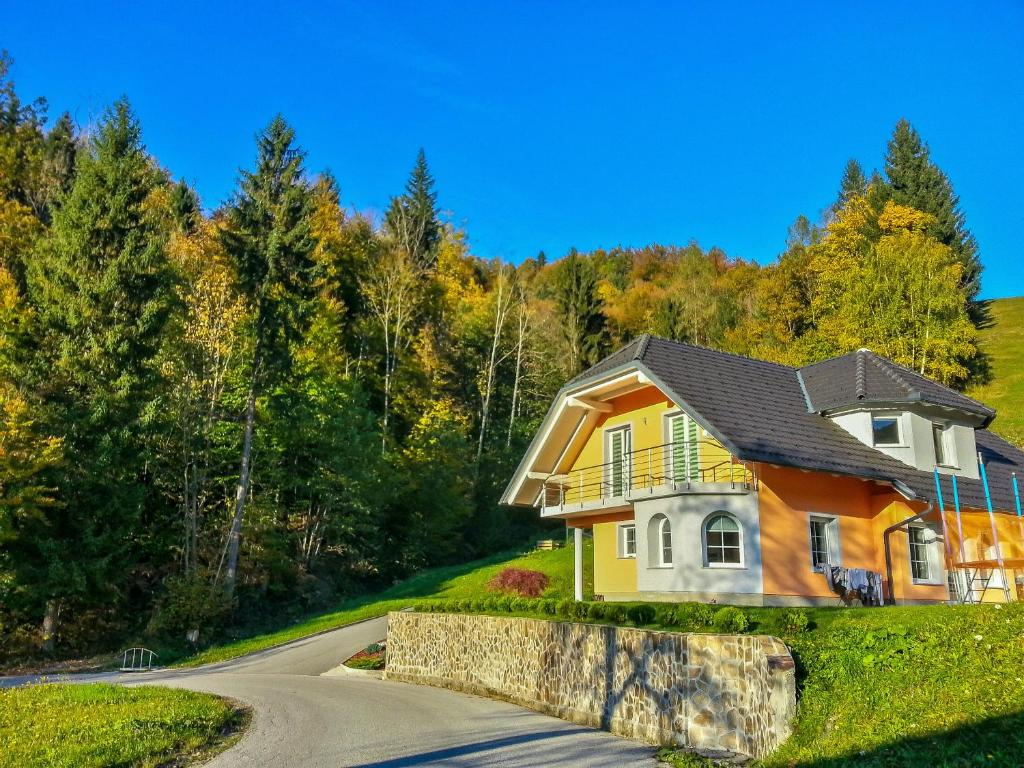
{"x": 672, "y": 466}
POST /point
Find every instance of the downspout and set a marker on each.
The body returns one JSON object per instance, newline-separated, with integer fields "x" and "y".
{"x": 888, "y": 551}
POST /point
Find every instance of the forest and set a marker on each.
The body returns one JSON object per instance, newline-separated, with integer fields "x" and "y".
{"x": 217, "y": 412}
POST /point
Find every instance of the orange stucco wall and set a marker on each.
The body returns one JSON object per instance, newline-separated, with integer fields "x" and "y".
{"x": 787, "y": 498}
{"x": 864, "y": 510}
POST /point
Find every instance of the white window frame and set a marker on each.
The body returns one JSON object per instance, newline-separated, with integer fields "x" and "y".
{"x": 933, "y": 554}
{"x": 742, "y": 564}
{"x": 627, "y": 457}
{"x": 624, "y": 552}
{"x": 950, "y": 460}
{"x": 669, "y": 457}
{"x": 832, "y": 540}
{"x": 900, "y": 432}
{"x": 664, "y": 524}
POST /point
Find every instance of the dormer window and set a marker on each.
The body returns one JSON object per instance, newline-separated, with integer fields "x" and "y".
{"x": 885, "y": 430}
{"x": 943, "y": 448}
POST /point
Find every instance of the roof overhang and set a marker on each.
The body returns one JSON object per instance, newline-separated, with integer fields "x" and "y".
{"x": 569, "y": 421}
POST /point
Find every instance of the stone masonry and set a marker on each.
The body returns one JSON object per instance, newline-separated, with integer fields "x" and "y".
{"x": 715, "y": 692}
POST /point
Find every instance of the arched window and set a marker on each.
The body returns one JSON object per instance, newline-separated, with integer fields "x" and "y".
{"x": 723, "y": 545}
{"x": 659, "y": 542}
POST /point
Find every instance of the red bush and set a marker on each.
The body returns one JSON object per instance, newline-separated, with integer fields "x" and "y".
{"x": 521, "y": 581}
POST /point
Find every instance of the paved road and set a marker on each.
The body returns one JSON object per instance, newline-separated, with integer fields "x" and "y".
{"x": 304, "y": 719}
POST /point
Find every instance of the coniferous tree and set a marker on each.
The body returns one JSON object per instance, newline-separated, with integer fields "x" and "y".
{"x": 579, "y": 308}
{"x": 412, "y": 220}
{"x": 853, "y": 183}
{"x": 100, "y": 288}
{"x": 268, "y": 240}
{"x": 915, "y": 181}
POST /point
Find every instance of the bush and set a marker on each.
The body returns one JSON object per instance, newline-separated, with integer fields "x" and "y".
{"x": 641, "y": 614}
{"x": 564, "y": 608}
{"x": 793, "y": 621}
{"x": 548, "y": 607}
{"x": 187, "y": 603}
{"x": 597, "y": 612}
{"x": 519, "y": 581}
{"x": 520, "y": 604}
{"x": 729, "y": 619}
{"x": 693, "y": 616}
{"x": 665, "y": 615}
{"x": 616, "y": 614}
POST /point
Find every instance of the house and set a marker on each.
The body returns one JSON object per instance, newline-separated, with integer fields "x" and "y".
{"x": 710, "y": 476}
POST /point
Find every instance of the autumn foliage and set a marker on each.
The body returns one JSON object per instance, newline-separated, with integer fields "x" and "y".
{"x": 521, "y": 581}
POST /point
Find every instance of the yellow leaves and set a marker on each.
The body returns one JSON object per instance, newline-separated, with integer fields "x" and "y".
{"x": 441, "y": 421}
{"x": 214, "y": 308}
{"x": 24, "y": 455}
{"x": 895, "y": 217}
{"x": 455, "y": 271}
{"x": 19, "y": 229}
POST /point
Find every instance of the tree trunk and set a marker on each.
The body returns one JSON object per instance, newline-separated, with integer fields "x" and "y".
{"x": 51, "y": 619}
{"x": 242, "y": 492}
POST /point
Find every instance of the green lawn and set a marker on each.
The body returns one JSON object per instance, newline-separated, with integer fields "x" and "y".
{"x": 1004, "y": 344}
{"x": 79, "y": 726}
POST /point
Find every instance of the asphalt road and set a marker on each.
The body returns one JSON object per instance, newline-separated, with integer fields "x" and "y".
{"x": 306, "y": 719}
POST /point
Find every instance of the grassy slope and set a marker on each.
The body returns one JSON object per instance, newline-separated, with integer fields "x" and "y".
{"x": 879, "y": 687}
{"x": 104, "y": 725}
{"x": 1004, "y": 344}
{"x": 453, "y": 582}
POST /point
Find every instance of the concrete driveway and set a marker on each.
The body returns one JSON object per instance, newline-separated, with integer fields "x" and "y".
{"x": 304, "y": 719}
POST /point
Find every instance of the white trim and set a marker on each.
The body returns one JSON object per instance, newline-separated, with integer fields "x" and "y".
{"x": 588, "y": 404}
{"x": 627, "y": 457}
{"x": 933, "y": 556}
{"x": 832, "y": 539}
{"x": 742, "y": 564}
{"x": 620, "y": 535}
{"x": 664, "y": 524}
{"x": 901, "y": 438}
{"x": 950, "y": 459}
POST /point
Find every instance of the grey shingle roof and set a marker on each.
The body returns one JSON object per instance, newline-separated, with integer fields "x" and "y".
{"x": 760, "y": 411}
{"x": 864, "y": 377}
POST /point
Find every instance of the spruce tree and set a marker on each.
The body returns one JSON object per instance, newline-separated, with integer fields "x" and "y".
{"x": 100, "y": 287}
{"x": 412, "y": 220}
{"x": 914, "y": 180}
{"x": 268, "y": 239}
{"x": 852, "y": 184}
{"x": 579, "y": 309}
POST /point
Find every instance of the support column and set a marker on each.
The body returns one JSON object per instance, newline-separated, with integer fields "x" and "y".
{"x": 577, "y": 541}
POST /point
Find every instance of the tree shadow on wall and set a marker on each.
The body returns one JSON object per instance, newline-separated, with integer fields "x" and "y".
{"x": 992, "y": 742}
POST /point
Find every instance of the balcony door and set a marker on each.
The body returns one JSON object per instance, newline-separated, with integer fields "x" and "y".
{"x": 618, "y": 446}
{"x": 683, "y": 449}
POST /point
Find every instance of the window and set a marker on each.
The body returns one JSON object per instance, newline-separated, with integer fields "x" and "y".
{"x": 940, "y": 439}
{"x": 885, "y": 430}
{"x": 684, "y": 448}
{"x": 722, "y": 542}
{"x": 824, "y": 535}
{"x": 618, "y": 445}
{"x": 665, "y": 540}
{"x": 919, "y": 560}
{"x": 627, "y": 540}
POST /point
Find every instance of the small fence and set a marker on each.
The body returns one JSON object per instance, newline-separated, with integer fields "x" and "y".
{"x": 137, "y": 660}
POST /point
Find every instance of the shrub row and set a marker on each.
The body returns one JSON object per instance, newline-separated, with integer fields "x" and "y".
{"x": 682, "y": 616}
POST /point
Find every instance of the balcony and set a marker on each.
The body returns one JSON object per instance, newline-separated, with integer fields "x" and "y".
{"x": 700, "y": 466}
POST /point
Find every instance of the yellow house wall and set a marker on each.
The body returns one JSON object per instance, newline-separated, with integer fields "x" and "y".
{"x": 644, "y": 410}
{"x": 612, "y": 574}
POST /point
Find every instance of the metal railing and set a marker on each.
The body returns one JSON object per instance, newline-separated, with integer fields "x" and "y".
{"x": 137, "y": 660}
{"x": 677, "y": 465}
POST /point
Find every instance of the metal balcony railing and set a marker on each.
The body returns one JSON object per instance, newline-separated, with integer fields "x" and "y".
{"x": 677, "y": 465}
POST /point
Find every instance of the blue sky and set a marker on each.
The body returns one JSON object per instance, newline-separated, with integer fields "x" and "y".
{"x": 550, "y": 125}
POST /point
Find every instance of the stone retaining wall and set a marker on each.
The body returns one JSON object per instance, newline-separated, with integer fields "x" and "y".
{"x": 731, "y": 692}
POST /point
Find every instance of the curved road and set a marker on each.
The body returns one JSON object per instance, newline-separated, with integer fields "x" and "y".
{"x": 303, "y": 718}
